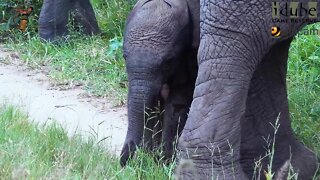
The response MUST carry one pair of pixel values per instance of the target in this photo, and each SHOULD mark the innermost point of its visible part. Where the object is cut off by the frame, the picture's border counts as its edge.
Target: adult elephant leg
(267, 101)
(211, 137)
(53, 18)
(234, 39)
(85, 17)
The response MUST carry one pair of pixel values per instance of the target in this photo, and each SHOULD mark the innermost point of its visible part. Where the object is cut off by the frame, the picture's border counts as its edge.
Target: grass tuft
(89, 61)
(46, 152)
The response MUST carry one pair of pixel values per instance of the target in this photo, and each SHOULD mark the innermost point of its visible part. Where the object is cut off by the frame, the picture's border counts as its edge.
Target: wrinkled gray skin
(54, 16)
(160, 53)
(241, 89)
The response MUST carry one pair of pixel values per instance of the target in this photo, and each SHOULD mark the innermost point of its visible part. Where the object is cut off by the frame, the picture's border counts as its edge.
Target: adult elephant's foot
(208, 162)
(304, 162)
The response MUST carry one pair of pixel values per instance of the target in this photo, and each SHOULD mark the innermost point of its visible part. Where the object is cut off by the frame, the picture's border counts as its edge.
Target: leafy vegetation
(9, 18)
(304, 87)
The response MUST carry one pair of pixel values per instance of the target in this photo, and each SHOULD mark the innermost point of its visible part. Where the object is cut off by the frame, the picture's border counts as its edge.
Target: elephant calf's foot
(127, 152)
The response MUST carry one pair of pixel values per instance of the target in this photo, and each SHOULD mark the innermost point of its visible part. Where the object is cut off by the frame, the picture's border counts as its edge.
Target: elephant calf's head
(158, 33)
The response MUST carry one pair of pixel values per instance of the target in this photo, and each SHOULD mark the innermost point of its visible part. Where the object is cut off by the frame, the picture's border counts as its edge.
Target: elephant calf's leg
(174, 121)
(177, 104)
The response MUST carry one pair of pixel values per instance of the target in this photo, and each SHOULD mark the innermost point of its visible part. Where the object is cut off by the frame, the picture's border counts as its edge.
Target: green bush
(10, 18)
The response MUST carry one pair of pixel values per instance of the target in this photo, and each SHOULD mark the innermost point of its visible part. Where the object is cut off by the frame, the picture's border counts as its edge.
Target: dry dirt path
(34, 94)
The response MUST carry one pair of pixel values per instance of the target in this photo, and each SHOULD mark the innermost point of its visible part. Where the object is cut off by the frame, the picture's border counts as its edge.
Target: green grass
(111, 15)
(46, 152)
(95, 63)
(304, 88)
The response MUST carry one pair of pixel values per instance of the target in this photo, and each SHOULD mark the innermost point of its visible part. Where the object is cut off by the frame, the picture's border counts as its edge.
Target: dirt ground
(34, 93)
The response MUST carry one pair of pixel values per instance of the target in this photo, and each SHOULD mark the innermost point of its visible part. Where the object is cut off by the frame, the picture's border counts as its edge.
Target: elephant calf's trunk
(141, 99)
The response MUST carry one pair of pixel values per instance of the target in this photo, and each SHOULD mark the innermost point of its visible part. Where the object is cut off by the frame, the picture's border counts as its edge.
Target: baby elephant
(160, 50)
